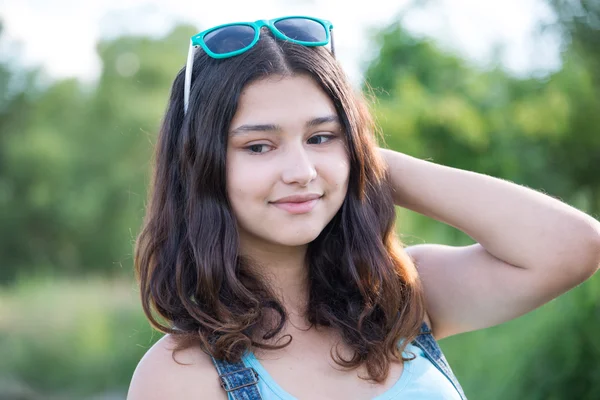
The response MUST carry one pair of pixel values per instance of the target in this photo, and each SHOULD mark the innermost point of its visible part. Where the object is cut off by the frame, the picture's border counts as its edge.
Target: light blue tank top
(420, 380)
(427, 377)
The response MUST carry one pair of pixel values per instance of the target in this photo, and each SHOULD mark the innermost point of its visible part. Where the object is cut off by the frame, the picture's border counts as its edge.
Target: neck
(286, 272)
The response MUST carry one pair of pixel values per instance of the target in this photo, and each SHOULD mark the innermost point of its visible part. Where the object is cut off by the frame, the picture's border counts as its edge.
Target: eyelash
(248, 148)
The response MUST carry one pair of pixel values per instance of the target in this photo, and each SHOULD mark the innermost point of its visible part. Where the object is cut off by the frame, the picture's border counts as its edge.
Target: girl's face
(287, 163)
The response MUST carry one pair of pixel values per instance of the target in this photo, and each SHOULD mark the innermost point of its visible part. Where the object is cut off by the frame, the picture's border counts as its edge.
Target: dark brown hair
(196, 286)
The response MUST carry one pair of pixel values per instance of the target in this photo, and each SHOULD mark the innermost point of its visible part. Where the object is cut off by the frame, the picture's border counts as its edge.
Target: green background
(74, 169)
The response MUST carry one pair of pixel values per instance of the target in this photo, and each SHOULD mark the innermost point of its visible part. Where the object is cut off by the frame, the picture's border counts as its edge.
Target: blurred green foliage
(75, 161)
(70, 338)
(74, 169)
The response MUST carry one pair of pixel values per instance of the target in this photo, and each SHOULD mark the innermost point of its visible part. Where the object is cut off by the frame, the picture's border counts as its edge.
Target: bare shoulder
(186, 375)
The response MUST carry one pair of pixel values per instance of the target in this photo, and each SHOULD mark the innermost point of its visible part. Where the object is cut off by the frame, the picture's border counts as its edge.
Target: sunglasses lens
(302, 29)
(229, 38)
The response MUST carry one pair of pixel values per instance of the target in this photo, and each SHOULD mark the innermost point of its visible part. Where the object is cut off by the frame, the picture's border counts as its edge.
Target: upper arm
(159, 376)
(466, 288)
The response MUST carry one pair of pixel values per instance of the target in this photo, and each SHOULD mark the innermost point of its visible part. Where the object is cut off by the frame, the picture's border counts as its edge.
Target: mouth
(297, 207)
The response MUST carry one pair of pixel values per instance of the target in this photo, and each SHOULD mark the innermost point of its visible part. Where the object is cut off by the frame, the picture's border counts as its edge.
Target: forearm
(515, 224)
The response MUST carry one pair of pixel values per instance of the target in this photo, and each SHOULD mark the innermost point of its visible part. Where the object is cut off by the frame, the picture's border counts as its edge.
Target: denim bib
(241, 381)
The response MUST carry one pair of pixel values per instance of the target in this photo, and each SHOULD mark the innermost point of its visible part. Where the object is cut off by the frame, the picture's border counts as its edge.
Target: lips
(298, 198)
(298, 204)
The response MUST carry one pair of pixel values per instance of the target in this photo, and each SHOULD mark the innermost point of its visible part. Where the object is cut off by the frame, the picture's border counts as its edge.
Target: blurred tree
(16, 95)
(537, 132)
(578, 22)
(75, 162)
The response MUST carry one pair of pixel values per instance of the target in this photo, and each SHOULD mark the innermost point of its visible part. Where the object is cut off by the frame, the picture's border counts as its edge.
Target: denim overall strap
(239, 381)
(426, 342)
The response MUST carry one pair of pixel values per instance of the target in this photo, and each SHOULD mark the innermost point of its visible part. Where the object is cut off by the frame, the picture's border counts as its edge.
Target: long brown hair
(193, 282)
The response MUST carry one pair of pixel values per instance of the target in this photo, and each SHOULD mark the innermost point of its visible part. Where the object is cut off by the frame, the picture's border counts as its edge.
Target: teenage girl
(268, 255)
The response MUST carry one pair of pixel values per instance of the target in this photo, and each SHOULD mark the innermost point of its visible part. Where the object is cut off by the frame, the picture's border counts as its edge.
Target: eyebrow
(277, 128)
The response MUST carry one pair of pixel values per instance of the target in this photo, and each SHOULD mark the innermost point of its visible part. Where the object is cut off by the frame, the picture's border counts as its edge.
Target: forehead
(282, 100)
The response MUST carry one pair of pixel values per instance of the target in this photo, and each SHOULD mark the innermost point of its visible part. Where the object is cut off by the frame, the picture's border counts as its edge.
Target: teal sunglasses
(229, 40)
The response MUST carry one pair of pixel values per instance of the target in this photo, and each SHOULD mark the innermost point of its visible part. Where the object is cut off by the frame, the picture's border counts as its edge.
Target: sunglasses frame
(197, 41)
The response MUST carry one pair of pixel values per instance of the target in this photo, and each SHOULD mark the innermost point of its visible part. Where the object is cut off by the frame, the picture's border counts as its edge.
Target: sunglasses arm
(188, 76)
(331, 42)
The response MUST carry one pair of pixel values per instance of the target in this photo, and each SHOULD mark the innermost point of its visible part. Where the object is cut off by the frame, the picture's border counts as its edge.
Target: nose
(298, 167)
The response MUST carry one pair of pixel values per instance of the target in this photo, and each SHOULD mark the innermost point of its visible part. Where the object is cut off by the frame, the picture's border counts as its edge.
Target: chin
(293, 237)
(296, 241)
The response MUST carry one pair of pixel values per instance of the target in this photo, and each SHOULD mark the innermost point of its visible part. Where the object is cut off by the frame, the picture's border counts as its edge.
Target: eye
(320, 139)
(257, 148)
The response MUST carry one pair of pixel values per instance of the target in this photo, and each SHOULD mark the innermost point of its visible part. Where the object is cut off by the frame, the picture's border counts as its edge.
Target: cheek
(245, 181)
(339, 171)
(237, 180)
